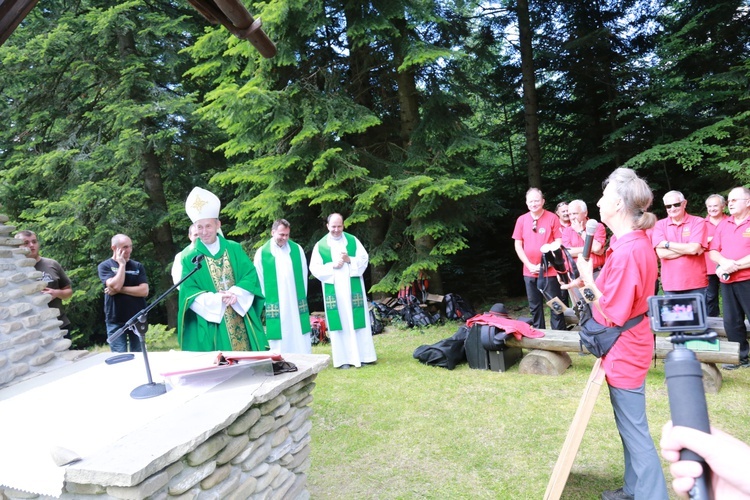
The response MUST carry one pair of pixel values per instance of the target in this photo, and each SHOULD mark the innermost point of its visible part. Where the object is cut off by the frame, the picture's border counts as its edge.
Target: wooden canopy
(230, 13)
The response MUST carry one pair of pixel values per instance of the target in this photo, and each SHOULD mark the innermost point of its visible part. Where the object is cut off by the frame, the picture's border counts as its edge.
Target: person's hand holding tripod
(726, 455)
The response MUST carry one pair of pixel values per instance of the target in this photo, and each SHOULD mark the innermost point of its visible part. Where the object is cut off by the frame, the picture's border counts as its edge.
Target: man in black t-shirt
(125, 291)
(58, 283)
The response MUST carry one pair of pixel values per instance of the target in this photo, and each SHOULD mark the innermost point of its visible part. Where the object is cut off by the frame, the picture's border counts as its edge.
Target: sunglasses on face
(673, 205)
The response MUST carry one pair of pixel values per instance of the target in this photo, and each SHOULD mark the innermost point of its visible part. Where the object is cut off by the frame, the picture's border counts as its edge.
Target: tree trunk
(530, 102)
(160, 234)
(408, 98)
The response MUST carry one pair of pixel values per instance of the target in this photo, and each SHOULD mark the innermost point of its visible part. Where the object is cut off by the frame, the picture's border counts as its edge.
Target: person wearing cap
(339, 260)
(221, 303)
(282, 269)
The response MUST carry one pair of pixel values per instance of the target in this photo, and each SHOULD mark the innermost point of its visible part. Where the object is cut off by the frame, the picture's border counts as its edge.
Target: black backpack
(376, 321)
(446, 353)
(457, 308)
(413, 315)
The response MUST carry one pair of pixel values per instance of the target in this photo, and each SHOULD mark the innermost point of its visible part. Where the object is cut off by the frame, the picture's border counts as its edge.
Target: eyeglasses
(533, 226)
(733, 200)
(673, 205)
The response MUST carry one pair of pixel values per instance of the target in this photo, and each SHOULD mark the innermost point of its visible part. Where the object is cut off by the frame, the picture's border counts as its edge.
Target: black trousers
(537, 302)
(736, 308)
(712, 296)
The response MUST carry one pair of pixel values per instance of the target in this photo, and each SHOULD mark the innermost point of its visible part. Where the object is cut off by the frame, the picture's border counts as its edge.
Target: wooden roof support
(12, 12)
(233, 15)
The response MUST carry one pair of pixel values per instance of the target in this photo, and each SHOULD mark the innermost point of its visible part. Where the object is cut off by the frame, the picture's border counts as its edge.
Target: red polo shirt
(572, 239)
(732, 241)
(710, 231)
(688, 271)
(547, 231)
(626, 281)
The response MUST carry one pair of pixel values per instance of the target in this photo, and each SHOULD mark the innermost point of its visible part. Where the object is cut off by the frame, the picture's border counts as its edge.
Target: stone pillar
(30, 335)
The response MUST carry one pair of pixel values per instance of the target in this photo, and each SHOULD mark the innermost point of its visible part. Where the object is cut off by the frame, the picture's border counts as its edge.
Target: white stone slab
(86, 407)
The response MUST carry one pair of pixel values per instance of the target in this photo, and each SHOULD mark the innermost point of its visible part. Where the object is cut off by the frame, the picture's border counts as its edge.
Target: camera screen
(677, 313)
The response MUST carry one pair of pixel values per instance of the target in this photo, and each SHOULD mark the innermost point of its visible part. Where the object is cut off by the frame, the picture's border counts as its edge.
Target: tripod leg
(573, 440)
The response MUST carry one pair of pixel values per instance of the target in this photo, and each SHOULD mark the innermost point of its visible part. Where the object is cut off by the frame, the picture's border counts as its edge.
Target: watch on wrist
(666, 245)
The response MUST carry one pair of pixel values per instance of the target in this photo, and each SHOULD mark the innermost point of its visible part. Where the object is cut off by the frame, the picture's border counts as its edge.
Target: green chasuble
(271, 286)
(230, 267)
(329, 290)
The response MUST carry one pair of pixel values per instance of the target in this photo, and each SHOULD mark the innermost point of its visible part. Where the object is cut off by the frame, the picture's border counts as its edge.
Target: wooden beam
(568, 340)
(12, 12)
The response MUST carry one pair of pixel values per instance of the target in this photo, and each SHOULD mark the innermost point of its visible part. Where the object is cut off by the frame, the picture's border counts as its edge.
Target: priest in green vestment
(221, 303)
(282, 270)
(339, 260)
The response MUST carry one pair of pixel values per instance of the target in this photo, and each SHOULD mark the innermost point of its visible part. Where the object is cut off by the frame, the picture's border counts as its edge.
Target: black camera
(677, 313)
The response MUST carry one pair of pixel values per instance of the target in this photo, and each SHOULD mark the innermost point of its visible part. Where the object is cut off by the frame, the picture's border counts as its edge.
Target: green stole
(273, 311)
(329, 290)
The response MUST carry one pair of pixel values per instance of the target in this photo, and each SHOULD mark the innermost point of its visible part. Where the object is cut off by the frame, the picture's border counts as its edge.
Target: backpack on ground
(376, 320)
(457, 308)
(446, 353)
(413, 315)
(319, 332)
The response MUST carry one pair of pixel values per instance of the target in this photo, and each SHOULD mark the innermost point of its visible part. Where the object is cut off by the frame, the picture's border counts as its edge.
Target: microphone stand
(138, 323)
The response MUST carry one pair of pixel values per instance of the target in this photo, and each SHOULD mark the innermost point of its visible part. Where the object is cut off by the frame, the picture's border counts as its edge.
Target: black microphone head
(198, 258)
(591, 226)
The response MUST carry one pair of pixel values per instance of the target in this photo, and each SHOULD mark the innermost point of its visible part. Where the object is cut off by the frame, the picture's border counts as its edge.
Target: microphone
(198, 258)
(591, 226)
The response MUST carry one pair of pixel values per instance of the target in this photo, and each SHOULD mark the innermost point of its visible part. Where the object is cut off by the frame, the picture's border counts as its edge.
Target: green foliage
(161, 338)
(99, 134)
(308, 141)
(405, 116)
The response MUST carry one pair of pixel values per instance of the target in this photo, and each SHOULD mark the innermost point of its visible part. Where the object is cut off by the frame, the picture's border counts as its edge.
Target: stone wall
(263, 454)
(30, 335)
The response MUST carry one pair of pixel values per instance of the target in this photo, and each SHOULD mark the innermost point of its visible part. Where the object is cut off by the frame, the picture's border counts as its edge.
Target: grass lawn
(400, 429)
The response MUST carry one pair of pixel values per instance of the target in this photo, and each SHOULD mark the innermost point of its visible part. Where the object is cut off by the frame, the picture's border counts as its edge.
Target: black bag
(476, 354)
(597, 338)
(376, 322)
(457, 308)
(493, 338)
(446, 353)
(413, 315)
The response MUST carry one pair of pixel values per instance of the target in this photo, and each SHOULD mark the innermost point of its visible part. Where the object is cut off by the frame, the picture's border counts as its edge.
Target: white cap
(202, 204)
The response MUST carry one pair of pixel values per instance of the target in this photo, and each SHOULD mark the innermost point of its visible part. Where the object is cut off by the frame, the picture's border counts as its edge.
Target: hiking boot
(618, 494)
(744, 363)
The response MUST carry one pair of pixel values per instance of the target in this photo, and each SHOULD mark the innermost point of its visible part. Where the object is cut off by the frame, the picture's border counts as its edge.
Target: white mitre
(202, 204)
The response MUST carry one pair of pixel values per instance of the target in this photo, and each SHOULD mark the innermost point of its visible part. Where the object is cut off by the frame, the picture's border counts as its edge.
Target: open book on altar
(215, 367)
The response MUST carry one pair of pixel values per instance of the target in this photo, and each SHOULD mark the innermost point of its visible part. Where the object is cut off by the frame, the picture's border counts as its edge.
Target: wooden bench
(549, 355)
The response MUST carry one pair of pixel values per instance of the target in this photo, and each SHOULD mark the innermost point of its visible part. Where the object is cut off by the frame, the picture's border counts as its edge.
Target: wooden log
(717, 324)
(712, 378)
(568, 341)
(712, 322)
(538, 362)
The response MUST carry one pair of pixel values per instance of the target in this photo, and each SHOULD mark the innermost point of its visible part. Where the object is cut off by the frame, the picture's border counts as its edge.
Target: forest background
(423, 122)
